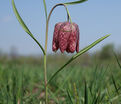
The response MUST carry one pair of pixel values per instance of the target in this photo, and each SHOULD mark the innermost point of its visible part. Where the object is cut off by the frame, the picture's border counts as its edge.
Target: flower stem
(45, 78)
(45, 64)
(46, 39)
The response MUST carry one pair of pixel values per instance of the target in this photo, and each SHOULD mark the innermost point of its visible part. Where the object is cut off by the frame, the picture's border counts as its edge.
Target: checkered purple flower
(66, 37)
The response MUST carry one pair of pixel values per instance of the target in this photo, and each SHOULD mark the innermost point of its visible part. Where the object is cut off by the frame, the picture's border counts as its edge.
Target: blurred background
(95, 19)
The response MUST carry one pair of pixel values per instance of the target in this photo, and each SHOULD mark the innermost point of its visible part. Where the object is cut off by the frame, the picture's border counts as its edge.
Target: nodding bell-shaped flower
(66, 37)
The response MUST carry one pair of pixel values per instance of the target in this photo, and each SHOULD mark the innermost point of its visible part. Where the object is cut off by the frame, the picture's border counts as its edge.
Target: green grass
(96, 83)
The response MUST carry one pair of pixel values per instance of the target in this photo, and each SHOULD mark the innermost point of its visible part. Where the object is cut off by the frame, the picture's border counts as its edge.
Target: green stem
(47, 24)
(45, 7)
(46, 40)
(45, 78)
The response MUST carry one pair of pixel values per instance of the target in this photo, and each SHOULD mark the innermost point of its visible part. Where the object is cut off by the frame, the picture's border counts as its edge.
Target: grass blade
(75, 2)
(96, 99)
(45, 7)
(86, 94)
(117, 60)
(69, 96)
(76, 94)
(77, 55)
(114, 83)
(24, 25)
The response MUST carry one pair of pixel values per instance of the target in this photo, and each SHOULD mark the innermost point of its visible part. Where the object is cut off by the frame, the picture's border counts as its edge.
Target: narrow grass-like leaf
(117, 60)
(96, 99)
(54, 96)
(22, 88)
(85, 94)
(45, 7)
(14, 88)
(90, 46)
(76, 94)
(93, 81)
(69, 96)
(24, 25)
(75, 2)
(8, 91)
(119, 88)
(77, 55)
(114, 83)
(65, 80)
(102, 97)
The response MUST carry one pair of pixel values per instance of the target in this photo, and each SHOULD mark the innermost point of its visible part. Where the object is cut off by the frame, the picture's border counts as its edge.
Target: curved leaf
(45, 7)
(24, 25)
(90, 46)
(77, 55)
(75, 2)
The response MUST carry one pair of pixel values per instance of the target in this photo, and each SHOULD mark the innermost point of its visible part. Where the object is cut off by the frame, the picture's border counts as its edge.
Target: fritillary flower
(66, 37)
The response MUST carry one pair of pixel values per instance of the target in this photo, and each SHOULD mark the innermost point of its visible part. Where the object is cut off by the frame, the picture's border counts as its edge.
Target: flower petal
(77, 46)
(64, 34)
(55, 44)
(72, 39)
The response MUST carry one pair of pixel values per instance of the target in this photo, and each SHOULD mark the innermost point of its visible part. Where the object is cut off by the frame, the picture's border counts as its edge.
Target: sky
(95, 18)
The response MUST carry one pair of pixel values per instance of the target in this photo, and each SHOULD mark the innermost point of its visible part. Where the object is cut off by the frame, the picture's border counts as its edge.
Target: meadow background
(93, 78)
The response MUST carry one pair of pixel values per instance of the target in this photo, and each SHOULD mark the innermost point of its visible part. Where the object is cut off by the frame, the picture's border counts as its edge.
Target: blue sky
(95, 18)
